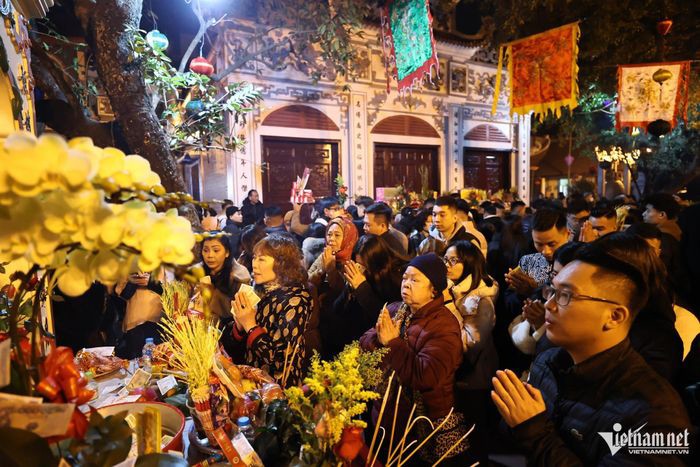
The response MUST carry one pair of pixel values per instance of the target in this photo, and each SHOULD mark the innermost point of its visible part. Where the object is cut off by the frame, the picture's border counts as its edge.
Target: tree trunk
(105, 24)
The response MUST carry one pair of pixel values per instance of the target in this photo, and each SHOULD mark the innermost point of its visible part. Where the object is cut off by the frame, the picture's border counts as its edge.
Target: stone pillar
(242, 171)
(454, 178)
(523, 162)
(358, 150)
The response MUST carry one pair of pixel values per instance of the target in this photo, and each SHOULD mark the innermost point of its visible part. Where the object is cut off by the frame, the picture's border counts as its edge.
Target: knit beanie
(432, 266)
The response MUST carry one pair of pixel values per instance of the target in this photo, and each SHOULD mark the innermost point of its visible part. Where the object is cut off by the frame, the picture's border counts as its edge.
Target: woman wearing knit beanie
(425, 350)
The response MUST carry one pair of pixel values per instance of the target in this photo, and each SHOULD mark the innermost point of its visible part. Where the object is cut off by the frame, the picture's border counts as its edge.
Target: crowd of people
(543, 325)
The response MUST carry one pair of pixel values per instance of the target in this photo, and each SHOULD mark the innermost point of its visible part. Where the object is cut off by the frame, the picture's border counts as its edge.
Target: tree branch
(204, 25)
(243, 60)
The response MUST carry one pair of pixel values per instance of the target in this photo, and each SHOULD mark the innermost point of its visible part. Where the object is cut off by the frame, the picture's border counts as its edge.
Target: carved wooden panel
(405, 125)
(488, 170)
(284, 159)
(300, 116)
(410, 166)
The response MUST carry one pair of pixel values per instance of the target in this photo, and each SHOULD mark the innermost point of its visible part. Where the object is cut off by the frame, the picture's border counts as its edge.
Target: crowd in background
(590, 305)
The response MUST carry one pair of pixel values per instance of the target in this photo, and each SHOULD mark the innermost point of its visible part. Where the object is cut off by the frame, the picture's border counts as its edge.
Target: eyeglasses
(563, 297)
(450, 262)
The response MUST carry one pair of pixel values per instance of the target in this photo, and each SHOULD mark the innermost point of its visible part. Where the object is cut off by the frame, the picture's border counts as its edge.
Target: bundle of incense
(148, 431)
(202, 406)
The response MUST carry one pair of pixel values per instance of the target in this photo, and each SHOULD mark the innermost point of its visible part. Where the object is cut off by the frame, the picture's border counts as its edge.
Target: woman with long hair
(471, 298)
(275, 327)
(372, 279)
(225, 273)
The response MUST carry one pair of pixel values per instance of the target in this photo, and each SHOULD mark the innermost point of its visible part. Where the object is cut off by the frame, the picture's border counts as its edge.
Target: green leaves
(107, 441)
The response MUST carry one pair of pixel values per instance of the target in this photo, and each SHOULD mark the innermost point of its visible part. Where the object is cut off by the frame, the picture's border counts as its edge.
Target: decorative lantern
(194, 106)
(661, 75)
(202, 66)
(157, 40)
(664, 26)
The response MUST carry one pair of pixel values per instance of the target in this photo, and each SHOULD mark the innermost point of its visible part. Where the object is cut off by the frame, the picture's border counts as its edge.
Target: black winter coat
(252, 213)
(614, 386)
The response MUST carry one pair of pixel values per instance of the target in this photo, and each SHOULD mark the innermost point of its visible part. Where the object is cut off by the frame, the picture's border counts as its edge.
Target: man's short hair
(567, 252)
(447, 201)
(250, 192)
(603, 210)
(644, 230)
(546, 218)
(626, 263)
(463, 206)
(226, 203)
(577, 204)
(326, 203)
(231, 210)
(365, 201)
(273, 211)
(382, 210)
(516, 204)
(664, 202)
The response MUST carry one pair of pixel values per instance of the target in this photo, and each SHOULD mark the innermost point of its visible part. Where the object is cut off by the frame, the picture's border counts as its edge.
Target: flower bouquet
(72, 213)
(327, 408)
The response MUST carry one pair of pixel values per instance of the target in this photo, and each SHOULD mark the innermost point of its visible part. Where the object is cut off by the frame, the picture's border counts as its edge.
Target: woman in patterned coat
(275, 327)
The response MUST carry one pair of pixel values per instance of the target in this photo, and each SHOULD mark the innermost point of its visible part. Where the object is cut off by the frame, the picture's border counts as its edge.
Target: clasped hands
(387, 329)
(243, 312)
(516, 401)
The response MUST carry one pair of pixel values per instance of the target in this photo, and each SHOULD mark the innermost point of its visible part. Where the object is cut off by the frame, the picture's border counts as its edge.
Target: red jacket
(425, 361)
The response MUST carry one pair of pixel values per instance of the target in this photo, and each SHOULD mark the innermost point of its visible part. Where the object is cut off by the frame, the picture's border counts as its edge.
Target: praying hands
(516, 401)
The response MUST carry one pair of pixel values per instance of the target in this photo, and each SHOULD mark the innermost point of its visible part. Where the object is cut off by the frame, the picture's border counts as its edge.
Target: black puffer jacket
(614, 386)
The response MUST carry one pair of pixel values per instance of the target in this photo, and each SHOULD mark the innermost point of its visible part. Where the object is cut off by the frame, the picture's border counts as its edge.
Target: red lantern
(664, 26)
(202, 66)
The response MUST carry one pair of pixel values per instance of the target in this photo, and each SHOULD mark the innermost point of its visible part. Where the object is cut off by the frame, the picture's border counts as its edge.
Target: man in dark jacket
(594, 401)
(253, 210)
(446, 228)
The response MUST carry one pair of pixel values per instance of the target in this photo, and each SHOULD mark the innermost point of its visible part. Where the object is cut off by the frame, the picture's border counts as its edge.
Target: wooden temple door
(487, 170)
(410, 166)
(285, 158)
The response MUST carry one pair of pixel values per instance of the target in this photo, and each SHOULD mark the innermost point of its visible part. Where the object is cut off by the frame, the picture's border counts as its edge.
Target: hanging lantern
(569, 160)
(194, 106)
(659, 127)
(664, 26)
(661, 75)
(202, 66)
(157, 40)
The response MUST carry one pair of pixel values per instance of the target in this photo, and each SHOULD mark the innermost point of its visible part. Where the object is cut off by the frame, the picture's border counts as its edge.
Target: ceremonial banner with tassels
(542, 71)
(408, 43)
(652, 91)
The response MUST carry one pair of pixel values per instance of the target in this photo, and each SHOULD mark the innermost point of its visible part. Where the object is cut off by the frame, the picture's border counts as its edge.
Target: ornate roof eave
(33, 8)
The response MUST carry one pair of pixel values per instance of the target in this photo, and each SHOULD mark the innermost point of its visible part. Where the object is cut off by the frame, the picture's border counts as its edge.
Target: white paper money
(43, 419)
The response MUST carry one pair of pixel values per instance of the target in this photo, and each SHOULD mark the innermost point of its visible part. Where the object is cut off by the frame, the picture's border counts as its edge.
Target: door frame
(438, 161)
(335, 156)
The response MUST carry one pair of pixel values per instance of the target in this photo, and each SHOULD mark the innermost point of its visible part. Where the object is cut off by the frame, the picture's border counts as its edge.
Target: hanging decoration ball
(661, 75)
(157, 40)
(194, 106)
(664, 26)
(659, 127)
(202, 66)
(569, 160)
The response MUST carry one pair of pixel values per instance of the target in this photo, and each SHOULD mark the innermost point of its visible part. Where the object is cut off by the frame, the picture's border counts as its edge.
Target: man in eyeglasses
(594, 385)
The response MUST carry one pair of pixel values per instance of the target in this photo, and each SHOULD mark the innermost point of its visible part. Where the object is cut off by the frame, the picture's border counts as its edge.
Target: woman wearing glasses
(470, 298)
